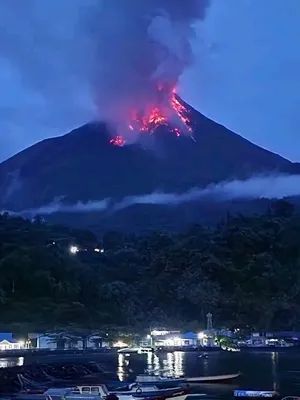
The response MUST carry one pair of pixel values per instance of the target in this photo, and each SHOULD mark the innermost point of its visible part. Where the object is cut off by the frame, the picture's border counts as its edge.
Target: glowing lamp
(74, 249)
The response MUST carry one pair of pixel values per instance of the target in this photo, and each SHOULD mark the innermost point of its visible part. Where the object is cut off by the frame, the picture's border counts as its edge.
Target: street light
(74, 249)
(99, 250)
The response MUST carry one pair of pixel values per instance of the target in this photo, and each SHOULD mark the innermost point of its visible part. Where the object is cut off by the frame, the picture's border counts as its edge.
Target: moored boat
(96, 392)
(56, 394)
(143, 392)
(159, 381)
(213, 379)
(149, 391)
(77, 393)
(135, 350)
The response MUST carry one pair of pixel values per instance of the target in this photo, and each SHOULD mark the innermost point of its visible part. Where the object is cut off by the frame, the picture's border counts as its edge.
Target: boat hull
(171, 392)
(163, 383)
(213, 379)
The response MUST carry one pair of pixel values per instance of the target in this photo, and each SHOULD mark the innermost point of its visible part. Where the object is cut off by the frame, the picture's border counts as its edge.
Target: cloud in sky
(248, 73)
(44, 63)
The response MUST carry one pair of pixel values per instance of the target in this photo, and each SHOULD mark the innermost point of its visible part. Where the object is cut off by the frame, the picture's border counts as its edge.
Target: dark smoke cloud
(269, 187)
(64, 62)
(139, 43)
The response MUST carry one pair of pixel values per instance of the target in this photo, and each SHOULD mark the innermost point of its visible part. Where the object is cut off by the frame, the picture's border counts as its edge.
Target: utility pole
(209, 322)
(210, 332)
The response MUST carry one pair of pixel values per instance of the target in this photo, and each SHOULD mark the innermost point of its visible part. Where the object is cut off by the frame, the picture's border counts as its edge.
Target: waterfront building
(164, 338)
(7, 342)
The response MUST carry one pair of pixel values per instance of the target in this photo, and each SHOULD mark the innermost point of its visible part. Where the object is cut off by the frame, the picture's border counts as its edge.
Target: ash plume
(257, 187)
(65, 63)
(139, 44)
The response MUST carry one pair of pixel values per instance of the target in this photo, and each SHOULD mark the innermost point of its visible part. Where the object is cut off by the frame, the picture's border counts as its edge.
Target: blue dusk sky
(245, 75)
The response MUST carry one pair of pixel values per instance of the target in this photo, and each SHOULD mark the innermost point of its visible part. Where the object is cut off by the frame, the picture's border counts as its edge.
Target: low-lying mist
(257, 187)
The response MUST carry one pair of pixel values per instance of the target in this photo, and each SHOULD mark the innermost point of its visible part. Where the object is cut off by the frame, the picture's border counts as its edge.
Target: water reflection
(11, 362)
(178, 363)
(274, 358)
(153, 364)
(170, 364)
(173, 364)
(260, 370)
(122, 366)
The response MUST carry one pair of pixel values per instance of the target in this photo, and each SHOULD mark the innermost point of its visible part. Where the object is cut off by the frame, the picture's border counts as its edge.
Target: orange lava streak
(157, 115)
(117, 141)
(150, 120)
(180, 111)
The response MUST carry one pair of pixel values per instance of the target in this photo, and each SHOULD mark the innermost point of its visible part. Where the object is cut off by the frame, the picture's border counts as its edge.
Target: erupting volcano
(167, 110)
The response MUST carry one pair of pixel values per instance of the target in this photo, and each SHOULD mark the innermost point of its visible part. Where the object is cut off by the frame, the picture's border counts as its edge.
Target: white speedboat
(135, 350)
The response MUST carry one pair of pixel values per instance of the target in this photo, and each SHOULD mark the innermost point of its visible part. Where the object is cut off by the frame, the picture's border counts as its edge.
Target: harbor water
(263, 370)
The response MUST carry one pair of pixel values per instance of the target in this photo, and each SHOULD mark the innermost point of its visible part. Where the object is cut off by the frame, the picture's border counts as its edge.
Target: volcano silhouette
(83, 165)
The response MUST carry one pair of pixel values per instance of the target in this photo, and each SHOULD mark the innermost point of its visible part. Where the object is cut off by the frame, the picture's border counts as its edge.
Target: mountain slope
(83, 165)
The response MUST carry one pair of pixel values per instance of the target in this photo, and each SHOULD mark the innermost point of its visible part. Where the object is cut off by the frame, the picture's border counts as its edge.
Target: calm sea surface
(260, 370)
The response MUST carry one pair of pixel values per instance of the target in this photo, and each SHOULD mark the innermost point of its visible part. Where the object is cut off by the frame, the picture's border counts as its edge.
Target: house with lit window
(7, 342)
(164, 338)
(175, 339)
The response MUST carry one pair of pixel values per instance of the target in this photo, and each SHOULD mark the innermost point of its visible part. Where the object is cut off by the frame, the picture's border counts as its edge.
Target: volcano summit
(85, 165)
(166, 110)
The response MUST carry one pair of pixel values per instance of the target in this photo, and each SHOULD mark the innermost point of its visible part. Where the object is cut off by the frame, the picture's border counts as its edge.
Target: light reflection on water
(274, 358)
(171, 364)
(260, 370)
(153, 364)
(122, 365)
(11, 362)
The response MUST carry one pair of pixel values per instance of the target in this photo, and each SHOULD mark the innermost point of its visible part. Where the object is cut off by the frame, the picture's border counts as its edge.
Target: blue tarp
(190, 336)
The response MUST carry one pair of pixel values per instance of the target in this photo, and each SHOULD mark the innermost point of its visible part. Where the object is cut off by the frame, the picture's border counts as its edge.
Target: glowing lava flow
(117, 141)
(171, 113)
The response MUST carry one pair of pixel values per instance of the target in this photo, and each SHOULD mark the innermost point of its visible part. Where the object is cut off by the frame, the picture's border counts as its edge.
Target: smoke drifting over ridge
(257, 187)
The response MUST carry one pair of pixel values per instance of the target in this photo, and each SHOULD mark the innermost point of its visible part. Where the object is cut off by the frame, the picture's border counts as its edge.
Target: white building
(7, 342)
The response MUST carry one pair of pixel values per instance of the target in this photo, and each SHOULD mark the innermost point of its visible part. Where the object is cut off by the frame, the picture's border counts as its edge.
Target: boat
(145, 392)
(135, 350)
(77, 393)
(57, 394)
(101, 391)
(149, 391)
(159, 381)
(213, 379)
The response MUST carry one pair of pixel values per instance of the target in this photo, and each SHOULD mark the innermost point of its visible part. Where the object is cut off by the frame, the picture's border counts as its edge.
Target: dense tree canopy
(245, 271)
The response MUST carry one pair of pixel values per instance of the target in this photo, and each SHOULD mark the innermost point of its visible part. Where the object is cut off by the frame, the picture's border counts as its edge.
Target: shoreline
(35, 356)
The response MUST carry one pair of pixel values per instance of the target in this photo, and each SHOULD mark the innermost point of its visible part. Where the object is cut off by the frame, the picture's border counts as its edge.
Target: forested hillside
(245, 271)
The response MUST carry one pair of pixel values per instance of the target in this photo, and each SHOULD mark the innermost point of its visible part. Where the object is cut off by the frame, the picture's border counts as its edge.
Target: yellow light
(120, 344)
